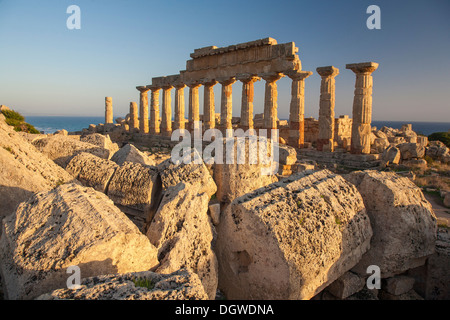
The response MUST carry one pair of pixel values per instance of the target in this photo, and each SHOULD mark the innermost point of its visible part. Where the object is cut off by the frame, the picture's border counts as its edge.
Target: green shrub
(13, 115)
(144, 283)
(440, 136)
(16, 120)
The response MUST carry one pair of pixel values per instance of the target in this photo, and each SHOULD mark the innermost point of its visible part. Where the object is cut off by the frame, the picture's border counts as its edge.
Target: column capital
(142, 89)
(208, 82)
(247, 77)
(225, 81)
(179, 85)
(193, 84)
(328, 71)
(298, 75)
(271, 76)
(363, 67)
(153, 88)
(167, 87)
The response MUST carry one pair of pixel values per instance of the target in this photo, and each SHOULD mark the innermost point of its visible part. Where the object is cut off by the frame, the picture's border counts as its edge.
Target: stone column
(270, 100)
(325, 140)
(297, 109)
(166, 117)
(108, 110)
(134, 117)
(154, 110)
(247, 100)
(194, 105)
(143, 109)
(362, 106)
(209, 108)
(179, 106)
(226, 103)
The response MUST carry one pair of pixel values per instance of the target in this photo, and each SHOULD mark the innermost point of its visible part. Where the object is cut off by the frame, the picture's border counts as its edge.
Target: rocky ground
(142, 227)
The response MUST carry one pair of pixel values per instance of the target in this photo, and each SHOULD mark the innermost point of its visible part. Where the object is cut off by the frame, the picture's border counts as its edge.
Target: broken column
(134, 118)
(154, 110)
(297, 109)
(362, 106)
(108, 110)
(166, 118)
(179, 106)
(226, 103)
(143, 109)
(270, 100)
(247, 100)
(325, 141)
(209, 112)
(194, 106)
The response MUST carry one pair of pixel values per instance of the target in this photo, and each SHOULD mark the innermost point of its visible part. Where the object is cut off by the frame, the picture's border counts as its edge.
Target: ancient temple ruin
(250, 62)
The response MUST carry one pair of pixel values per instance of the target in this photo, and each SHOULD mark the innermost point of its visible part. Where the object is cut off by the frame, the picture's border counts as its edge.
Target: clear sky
(47, 69)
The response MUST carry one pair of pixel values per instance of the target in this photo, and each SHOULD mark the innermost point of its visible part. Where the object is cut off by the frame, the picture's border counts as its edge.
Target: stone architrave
(108, 110)
(166, 117)
(143, 109)
(325, 141)
(226, 103)
(270, 99)
(194, 105)
(154, 110)
(247, 99)
(362, 106)
(209, 113)
(297, 108)
(134, 117)
(179, 106)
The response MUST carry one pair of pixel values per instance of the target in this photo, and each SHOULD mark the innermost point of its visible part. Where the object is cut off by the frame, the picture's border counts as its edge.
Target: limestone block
(398, 285)
(91, 170)
(379, 145)
(214, 213)
(62, 132)
(447, 200)
(411, 150)
(291, 239)
(391, 155)
(61, 148)
(179, 285)
(24, 170)
(102, 141)
(70, 225)
(416, 163)
(346, 285)
(132, 154)
(287, 155)
(403, 222)
(410, 295)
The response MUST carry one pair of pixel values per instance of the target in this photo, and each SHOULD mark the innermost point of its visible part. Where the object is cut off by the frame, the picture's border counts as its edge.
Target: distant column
(108, 110)
(325, 141)
(297, 109)
(247, 100)
(209, 109)
(134, 117)
(166, 118)
(179, 106)
(362, 106)
(154, 110)
(143, 109)
(270, 100)
(194, 106)
(226, 103)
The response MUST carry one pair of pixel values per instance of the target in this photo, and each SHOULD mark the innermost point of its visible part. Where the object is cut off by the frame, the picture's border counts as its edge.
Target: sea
(51, 124)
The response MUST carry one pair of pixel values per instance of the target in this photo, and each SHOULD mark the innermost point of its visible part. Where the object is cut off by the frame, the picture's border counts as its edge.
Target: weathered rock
(403, 222)
(62, 148)
(181, 228)
(102, 141)
(62, 132)
(411, 150)
(291, 239)
(391, 155)
(179, 285)
(23, 170)
(132, 154)
(70, 225)
(287, 155)
(379, 145)
(214, 213)
(92, 171)
(398, 285)
(447, 200)
(410, 295)
(416, 163)
(346, 285)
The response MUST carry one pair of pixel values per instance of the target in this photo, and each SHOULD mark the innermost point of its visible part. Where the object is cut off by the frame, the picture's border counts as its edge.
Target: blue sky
(47, 69)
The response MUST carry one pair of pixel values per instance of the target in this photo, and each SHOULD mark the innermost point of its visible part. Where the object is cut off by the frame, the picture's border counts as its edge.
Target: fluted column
(226, 103)
(154, 110)
(297, 109)
(166, 117)
(325, 141)
(194, 106)
(108, 110)
(270, 100)
(209, 109)
(134, 117)
(179, 106)
(362, 106)
(247, 99)
(143, 109)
